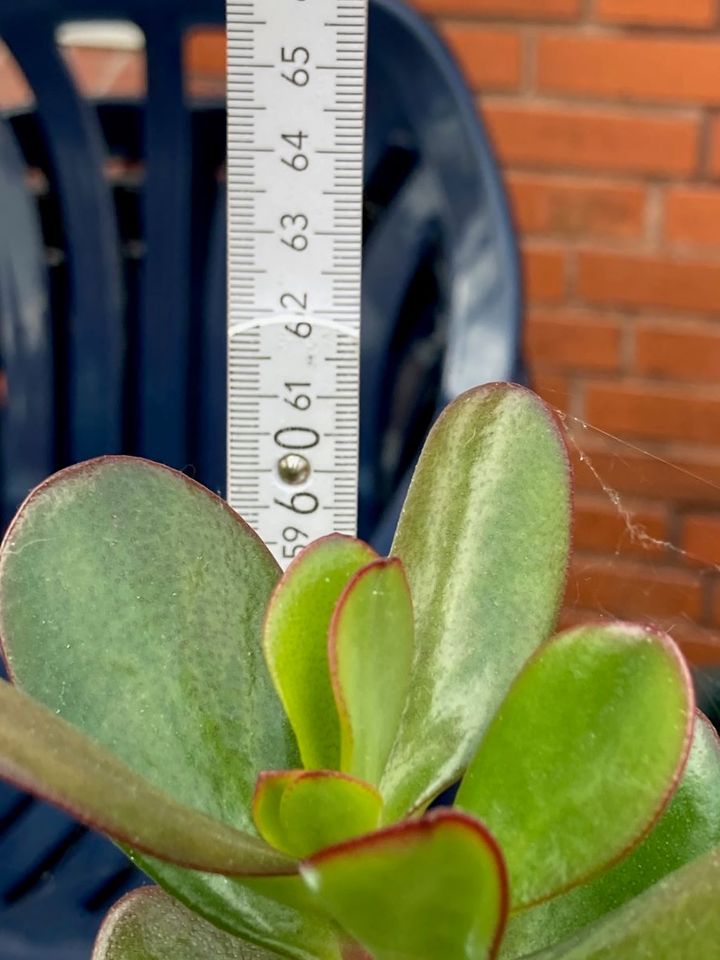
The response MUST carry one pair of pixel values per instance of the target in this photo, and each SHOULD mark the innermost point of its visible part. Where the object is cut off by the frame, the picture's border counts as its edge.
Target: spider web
(651, 554)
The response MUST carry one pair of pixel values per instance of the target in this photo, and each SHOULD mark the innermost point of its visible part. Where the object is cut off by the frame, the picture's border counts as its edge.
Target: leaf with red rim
(302, 811)
(689, 828)
(269, 791)
(43, 754)
(677, 919)
(370, 652)
(420, 890)
(295, 640)
(131, 604)
(583, 755)
(148, 925)
(484, 538)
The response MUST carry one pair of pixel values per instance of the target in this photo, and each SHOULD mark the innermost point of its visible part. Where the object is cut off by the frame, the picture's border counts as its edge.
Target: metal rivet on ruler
(293, 469)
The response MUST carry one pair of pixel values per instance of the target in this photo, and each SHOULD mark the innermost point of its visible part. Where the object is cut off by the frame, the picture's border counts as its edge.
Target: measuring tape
(296, 104)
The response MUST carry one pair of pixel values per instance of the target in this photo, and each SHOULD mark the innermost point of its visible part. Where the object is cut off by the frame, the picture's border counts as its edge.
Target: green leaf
(302, 811)
(269, 792)
(370, 652)
(689, 828)
(148, 925)
(43, 754)
(582, 756)
(131, 603)
(296, 642)
(484, 538)
(677, 919)
(420, 890)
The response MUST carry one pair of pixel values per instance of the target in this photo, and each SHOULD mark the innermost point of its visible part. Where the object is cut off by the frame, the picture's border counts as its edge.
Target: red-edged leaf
(427, 889)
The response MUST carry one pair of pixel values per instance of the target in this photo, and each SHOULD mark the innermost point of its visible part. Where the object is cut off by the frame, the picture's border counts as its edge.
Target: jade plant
(268, 747)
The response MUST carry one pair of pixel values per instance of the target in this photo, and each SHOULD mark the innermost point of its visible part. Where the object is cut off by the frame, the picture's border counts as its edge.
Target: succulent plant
(267, 747)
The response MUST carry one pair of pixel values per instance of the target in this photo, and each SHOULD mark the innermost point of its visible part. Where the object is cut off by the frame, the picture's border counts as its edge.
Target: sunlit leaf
(43, 754)
(689, 828)
(677, 919)
(484, 539)
(296, 642)
(148, 925)
(428, 889)
(131, 604)
(303, 811)
(582, 756)
(370, 651)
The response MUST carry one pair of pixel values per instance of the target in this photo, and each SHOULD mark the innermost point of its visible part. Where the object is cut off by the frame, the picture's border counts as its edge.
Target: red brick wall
(606, 118)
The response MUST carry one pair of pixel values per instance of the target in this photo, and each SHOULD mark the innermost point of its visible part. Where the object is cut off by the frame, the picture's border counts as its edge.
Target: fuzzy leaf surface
(677, 919)
(303, 811)
(484, 538)
(689, 828)
(131, 604)
(582, 756)
(370, 651)
(149, 925)
(43, 754)
(420, 890)
(295, 640)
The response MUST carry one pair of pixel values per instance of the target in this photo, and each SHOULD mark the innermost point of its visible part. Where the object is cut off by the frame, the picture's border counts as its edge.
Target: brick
(701, 647)
(578, 616)
(14, 89)
(101, 72)
(659, 13)
(544, 274)
(206, 51)
(600, 527)
(714, 148)
(682, 351)
(690, 477)
(646, 68)
(554, 390)
(524, 9)
(701, 538)
(652, 411)
(490, 59)
(577, 208)
(598, 140)
(692, 215)
(573, 340)
(642, 281)
(624, 588)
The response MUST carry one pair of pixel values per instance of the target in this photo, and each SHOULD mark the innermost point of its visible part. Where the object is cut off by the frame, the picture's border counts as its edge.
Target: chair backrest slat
(94, 337)
(28, 434)
(164, 364)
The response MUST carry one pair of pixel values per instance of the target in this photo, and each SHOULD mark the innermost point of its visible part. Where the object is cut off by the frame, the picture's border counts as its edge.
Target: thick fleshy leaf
(583, 755)
(689, 828)
(484, 538)
(370, 651)
(131, 603)
(148, 925)
(296, 642)
(420, 890)
(302, 811)
(677, 919)
(43, 754)
(269, 792)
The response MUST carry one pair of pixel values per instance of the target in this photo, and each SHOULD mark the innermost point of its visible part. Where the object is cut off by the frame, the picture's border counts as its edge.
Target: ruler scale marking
(295, 152)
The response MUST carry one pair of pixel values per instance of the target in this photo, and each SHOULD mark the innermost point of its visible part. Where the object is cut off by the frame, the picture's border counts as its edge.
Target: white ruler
(296, 95)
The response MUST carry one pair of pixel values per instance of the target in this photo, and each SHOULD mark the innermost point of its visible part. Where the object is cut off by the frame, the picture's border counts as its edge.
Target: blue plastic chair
(112, 318)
